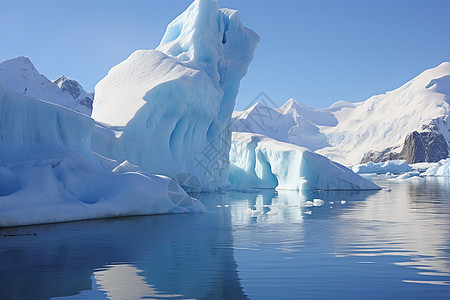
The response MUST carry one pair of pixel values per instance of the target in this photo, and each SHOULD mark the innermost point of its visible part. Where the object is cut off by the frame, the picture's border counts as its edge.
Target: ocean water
(389, 244)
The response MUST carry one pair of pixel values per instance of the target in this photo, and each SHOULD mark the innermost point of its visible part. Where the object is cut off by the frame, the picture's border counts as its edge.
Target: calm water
(375, 245)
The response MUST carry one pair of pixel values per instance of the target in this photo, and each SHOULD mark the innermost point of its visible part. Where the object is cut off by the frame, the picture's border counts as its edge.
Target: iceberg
(258, 161)
(441, 169)
(391, 166)
(48, 173)
(168, 110)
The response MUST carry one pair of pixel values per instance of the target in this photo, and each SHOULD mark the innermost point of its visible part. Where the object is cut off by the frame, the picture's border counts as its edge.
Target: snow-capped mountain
(19, 75)
(73, 88)
(407, 123)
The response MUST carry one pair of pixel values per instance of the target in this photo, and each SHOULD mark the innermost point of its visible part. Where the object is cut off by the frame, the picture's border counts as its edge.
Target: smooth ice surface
(48, 174)
(261, 162)
(345, 131)
(392, 166)
(167, 110)
(20, 76)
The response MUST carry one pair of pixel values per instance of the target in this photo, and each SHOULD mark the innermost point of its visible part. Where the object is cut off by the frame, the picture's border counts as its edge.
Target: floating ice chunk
(408, 175)
(388, 167)
(308, 204)
(318, 202)
(308, 212)
(343, 202)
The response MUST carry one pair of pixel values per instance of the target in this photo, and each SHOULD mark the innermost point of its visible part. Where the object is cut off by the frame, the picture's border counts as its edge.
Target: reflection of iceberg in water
(186, 255)
(411, 221)
(120, 282)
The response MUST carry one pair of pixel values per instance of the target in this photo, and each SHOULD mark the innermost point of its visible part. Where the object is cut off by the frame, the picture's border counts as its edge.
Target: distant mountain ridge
(407, 123)
(19, 75)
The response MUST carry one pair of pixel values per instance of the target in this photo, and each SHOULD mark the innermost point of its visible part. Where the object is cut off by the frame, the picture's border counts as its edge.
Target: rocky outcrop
(424, 146)
(75, 90)
(380, 156)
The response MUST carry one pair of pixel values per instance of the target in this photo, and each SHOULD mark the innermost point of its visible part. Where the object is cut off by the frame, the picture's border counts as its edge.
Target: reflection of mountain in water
(186, 255)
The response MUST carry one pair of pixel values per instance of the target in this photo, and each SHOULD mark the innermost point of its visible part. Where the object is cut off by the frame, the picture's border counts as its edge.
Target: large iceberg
(261, 162)
(168, 110)
(48, 174)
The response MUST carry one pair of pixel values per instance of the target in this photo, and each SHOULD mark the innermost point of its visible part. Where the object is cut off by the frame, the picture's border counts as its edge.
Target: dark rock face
(386, 154)
(69, 86)
(75, 90)
(426, 146)
(86, 102)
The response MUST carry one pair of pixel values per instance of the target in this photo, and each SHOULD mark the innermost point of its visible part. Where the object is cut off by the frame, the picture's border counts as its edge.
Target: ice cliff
(48, 174)
(167, 110)
(261, 162)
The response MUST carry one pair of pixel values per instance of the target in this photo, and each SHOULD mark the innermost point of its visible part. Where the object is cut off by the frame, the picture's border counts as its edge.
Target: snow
(292, 123)
(258, 161)
(167, 110)
(407, 176)
(72, 87)
(19, 75)
(318, 202)
(345, 131)
(48, 174)
(442, 168)
(384, 121)
(391, 166)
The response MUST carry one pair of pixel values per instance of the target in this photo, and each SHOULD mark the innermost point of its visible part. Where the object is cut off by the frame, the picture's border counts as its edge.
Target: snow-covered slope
(48, 174)
(73, 88)
(261, 162)
(20, 76)
(407, 123)
(292, 123)
(167, 110)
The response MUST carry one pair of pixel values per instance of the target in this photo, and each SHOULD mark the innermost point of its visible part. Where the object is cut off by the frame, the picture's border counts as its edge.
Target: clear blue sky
(316, 51)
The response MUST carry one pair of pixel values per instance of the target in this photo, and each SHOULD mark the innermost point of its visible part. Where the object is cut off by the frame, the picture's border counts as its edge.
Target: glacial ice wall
(167, 110)
(261, 162)
(48, 174)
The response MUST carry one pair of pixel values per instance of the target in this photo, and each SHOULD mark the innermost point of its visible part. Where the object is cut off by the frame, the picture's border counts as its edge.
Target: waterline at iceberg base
(258, 161)
(48, 174)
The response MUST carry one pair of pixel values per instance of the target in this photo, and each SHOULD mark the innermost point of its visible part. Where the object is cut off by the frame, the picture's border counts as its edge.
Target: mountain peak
(19, 75)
